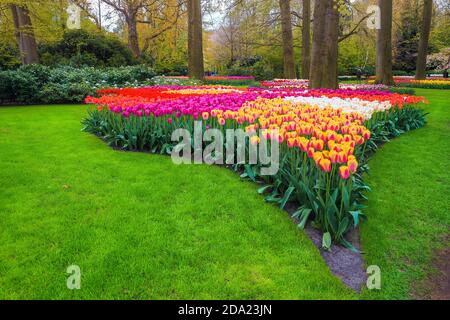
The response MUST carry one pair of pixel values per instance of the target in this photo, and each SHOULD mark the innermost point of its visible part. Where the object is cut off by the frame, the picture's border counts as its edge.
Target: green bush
(261, 69)
(42, 84)
(9, 56)
(80, 48)
(400, 73)
(236, 83)
(6, 90)
(400, 90)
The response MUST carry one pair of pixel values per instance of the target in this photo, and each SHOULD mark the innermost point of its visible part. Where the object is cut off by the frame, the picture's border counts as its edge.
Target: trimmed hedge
(35, 84)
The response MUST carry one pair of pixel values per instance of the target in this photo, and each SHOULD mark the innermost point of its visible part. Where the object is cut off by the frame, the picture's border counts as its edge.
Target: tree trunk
(133, 39)
(423, 43)
(288, 41)
(195, 40)
(306, 39)
(24, 34)
(384, 44)
(324, 63)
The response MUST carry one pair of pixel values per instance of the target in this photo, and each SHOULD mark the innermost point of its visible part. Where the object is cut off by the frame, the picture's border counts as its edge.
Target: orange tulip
(366, 134)
(254, 140)
(303, 144)
(358, 139)
(325, 165)
(331, 135)
(343, 157)
(331, 144)
(334, 156)
(344, 172)
(291, 142)
(352, 165)
(317, 157)
(319, 144)
(347, 138)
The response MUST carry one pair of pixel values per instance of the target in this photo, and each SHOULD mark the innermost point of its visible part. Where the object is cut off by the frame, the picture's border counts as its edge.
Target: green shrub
(6, 90)
(401, 90)
(238, 83)
(400, 73)
(42, 84)
(9, 56)
(24, 86)
(261, 69)
(80, 48)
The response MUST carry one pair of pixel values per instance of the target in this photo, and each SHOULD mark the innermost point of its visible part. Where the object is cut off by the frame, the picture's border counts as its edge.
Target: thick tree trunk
(195, 40)
(133, 39)
(306, 39)
(24, 34)
(332, 40)
(288, 41)
(324, 63)
(424, 37)
(384, 44)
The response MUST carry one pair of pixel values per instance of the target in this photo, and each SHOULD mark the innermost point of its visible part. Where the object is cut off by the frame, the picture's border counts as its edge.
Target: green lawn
(142, 228)
(409, 206)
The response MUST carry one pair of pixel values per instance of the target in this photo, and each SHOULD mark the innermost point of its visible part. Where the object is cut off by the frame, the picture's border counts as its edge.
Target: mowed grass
(409, 206)
(138, 226)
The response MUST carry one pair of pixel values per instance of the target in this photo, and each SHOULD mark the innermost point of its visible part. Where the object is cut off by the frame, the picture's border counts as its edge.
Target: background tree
(424, 39)
(406, 35)
(195, 40)
(306, 39)
(129, 10)
(288, 42)
(135, 12)
(24, 33)
(384, 44)
(324, 55)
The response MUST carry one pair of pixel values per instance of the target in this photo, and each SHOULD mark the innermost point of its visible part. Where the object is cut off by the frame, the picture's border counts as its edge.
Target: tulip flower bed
(426, 84)
(429, 83)
(304, 84)
(325, 137)
(237, 78)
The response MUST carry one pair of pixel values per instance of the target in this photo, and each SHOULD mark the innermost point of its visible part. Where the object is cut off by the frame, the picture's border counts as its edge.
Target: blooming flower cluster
(197, 100)
(326, 135)
(304, 84)
(236, 78)
(285, 83)
(430, 82)
(363, 107)
(363, 86)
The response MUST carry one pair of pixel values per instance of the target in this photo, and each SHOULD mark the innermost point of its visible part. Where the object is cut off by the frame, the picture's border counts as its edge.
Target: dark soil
(343, 263)
(437, 285)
